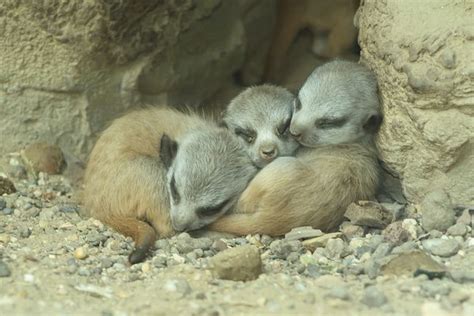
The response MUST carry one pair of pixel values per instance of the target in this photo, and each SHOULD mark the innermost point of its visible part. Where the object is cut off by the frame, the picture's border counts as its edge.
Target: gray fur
(263, 109)
(211, 167)
(338, 90)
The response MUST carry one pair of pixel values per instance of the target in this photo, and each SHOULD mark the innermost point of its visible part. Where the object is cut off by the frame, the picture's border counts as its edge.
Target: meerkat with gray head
(157, 171)
(336, 118)
(260, 116)
(338, 104)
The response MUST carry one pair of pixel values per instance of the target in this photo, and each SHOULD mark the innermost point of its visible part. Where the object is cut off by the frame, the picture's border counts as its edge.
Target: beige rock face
(67, 67)
(423, 56)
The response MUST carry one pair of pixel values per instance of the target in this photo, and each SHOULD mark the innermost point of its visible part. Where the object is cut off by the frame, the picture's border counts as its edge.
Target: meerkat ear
(373, 122)
(168, 150)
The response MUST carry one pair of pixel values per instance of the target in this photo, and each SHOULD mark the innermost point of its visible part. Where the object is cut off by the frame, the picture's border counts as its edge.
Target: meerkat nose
(268, 153)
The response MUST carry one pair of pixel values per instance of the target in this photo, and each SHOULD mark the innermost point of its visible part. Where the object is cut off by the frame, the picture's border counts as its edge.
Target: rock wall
(69, 66)
(423, 55)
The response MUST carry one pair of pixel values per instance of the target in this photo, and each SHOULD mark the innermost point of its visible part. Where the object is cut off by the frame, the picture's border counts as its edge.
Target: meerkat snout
(268, 152)
(260, 116)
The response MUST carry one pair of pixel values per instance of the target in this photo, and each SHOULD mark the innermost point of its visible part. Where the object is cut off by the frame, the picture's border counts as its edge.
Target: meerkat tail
(253, 223)
(141, 232)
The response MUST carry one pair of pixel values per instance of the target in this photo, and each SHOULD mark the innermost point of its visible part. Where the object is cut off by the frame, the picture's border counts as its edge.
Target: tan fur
(312, 189)
(332, 16)
(125, 180)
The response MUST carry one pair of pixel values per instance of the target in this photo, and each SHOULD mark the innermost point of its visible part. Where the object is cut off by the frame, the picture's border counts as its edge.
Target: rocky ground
(385, 259)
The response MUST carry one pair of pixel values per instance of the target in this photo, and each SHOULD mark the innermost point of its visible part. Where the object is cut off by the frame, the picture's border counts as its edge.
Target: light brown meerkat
(337, 115)
(156, 171)
(334, 17)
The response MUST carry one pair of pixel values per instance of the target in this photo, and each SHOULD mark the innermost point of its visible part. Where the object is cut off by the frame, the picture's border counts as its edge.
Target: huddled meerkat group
(276, 162)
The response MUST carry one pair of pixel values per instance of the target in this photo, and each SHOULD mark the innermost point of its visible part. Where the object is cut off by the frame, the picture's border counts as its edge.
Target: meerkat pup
(260, 116)
(336, 116)
(157, 171)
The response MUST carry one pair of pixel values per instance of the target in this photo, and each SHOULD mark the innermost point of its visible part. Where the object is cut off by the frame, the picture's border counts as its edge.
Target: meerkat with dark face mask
(260, 116)
(157, 171)
(336, 116)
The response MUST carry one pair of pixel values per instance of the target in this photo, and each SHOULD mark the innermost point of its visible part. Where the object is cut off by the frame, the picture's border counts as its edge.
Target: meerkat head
(206, 173)
(260, 116)
(337, 104)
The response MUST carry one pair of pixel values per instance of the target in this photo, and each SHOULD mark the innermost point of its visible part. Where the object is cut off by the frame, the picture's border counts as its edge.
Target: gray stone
(219, 245)
(293, 257)
(106, 263)
(7, 211)
(374, 297)
(336, 249)
(282, 248)
(441, 247)
(371, 268)
(462, 275)
(83, 271)
(242, 263)
(437, 211)
(202, 243)
(340, 292)
(406, 247)
(382, 250)
(25, 232)
(458, 229)
(303, 232)
(350, 230)
(4, 270)
(313, 243)
(3, 204)
(178, 286)
(465, 218)
(397, 210)
(435, 233)
(431, 288)
(163, 244)
(368, 213)
(413, 263)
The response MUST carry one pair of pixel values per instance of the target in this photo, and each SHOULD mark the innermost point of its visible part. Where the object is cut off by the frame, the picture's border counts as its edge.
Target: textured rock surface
(422, 55)
(68, 67)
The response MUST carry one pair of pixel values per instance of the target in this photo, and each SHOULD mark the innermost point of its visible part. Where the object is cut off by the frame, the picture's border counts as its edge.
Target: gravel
(55, 260)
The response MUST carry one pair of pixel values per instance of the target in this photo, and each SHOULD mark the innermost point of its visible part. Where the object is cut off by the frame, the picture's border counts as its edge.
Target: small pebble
(80, 253)
(180, 286)
(441, 247)
(340, 292)
(374, 297)
(4, 270)
(7, 211)
(458, 229)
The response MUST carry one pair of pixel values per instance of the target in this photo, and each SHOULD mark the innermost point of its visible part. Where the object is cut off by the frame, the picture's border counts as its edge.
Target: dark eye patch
(297, 104)
(247, 134)
(174, 192)
(211, 210)
(327, 123)
(283, 127)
